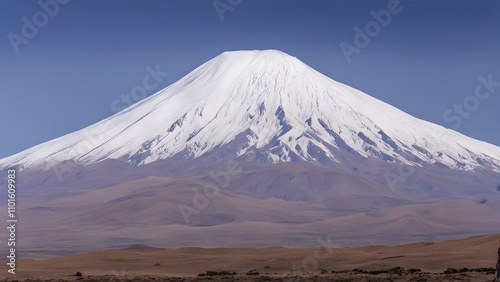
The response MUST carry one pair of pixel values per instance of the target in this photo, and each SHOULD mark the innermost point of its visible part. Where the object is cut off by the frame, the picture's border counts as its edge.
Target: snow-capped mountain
(328, 161)
(266, 101)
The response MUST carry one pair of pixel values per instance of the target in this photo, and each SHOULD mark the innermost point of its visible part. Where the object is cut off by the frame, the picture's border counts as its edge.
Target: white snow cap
(268, 99)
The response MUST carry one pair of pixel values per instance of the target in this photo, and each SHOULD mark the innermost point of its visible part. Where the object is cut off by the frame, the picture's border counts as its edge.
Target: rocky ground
(395, 274)
(471, 259)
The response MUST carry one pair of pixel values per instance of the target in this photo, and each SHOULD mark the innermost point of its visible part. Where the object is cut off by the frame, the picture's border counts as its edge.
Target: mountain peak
(269, 53)
(254, 61)
(261, 57)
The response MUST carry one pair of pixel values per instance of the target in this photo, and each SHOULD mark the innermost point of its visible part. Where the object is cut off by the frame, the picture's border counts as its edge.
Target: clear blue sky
(90, 52)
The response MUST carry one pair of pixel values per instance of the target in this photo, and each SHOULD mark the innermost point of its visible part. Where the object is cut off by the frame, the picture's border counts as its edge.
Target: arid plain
(470, 259)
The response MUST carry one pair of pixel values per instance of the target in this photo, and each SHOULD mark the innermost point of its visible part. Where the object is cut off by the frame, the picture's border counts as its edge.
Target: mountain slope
(263, 100)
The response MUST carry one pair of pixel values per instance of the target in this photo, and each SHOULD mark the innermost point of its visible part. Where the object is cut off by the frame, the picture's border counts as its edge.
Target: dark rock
(450, 271)
(253, 272)
(357, 270)
(414, 270)
(212, 273)
(396, 270)
(218, 273)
